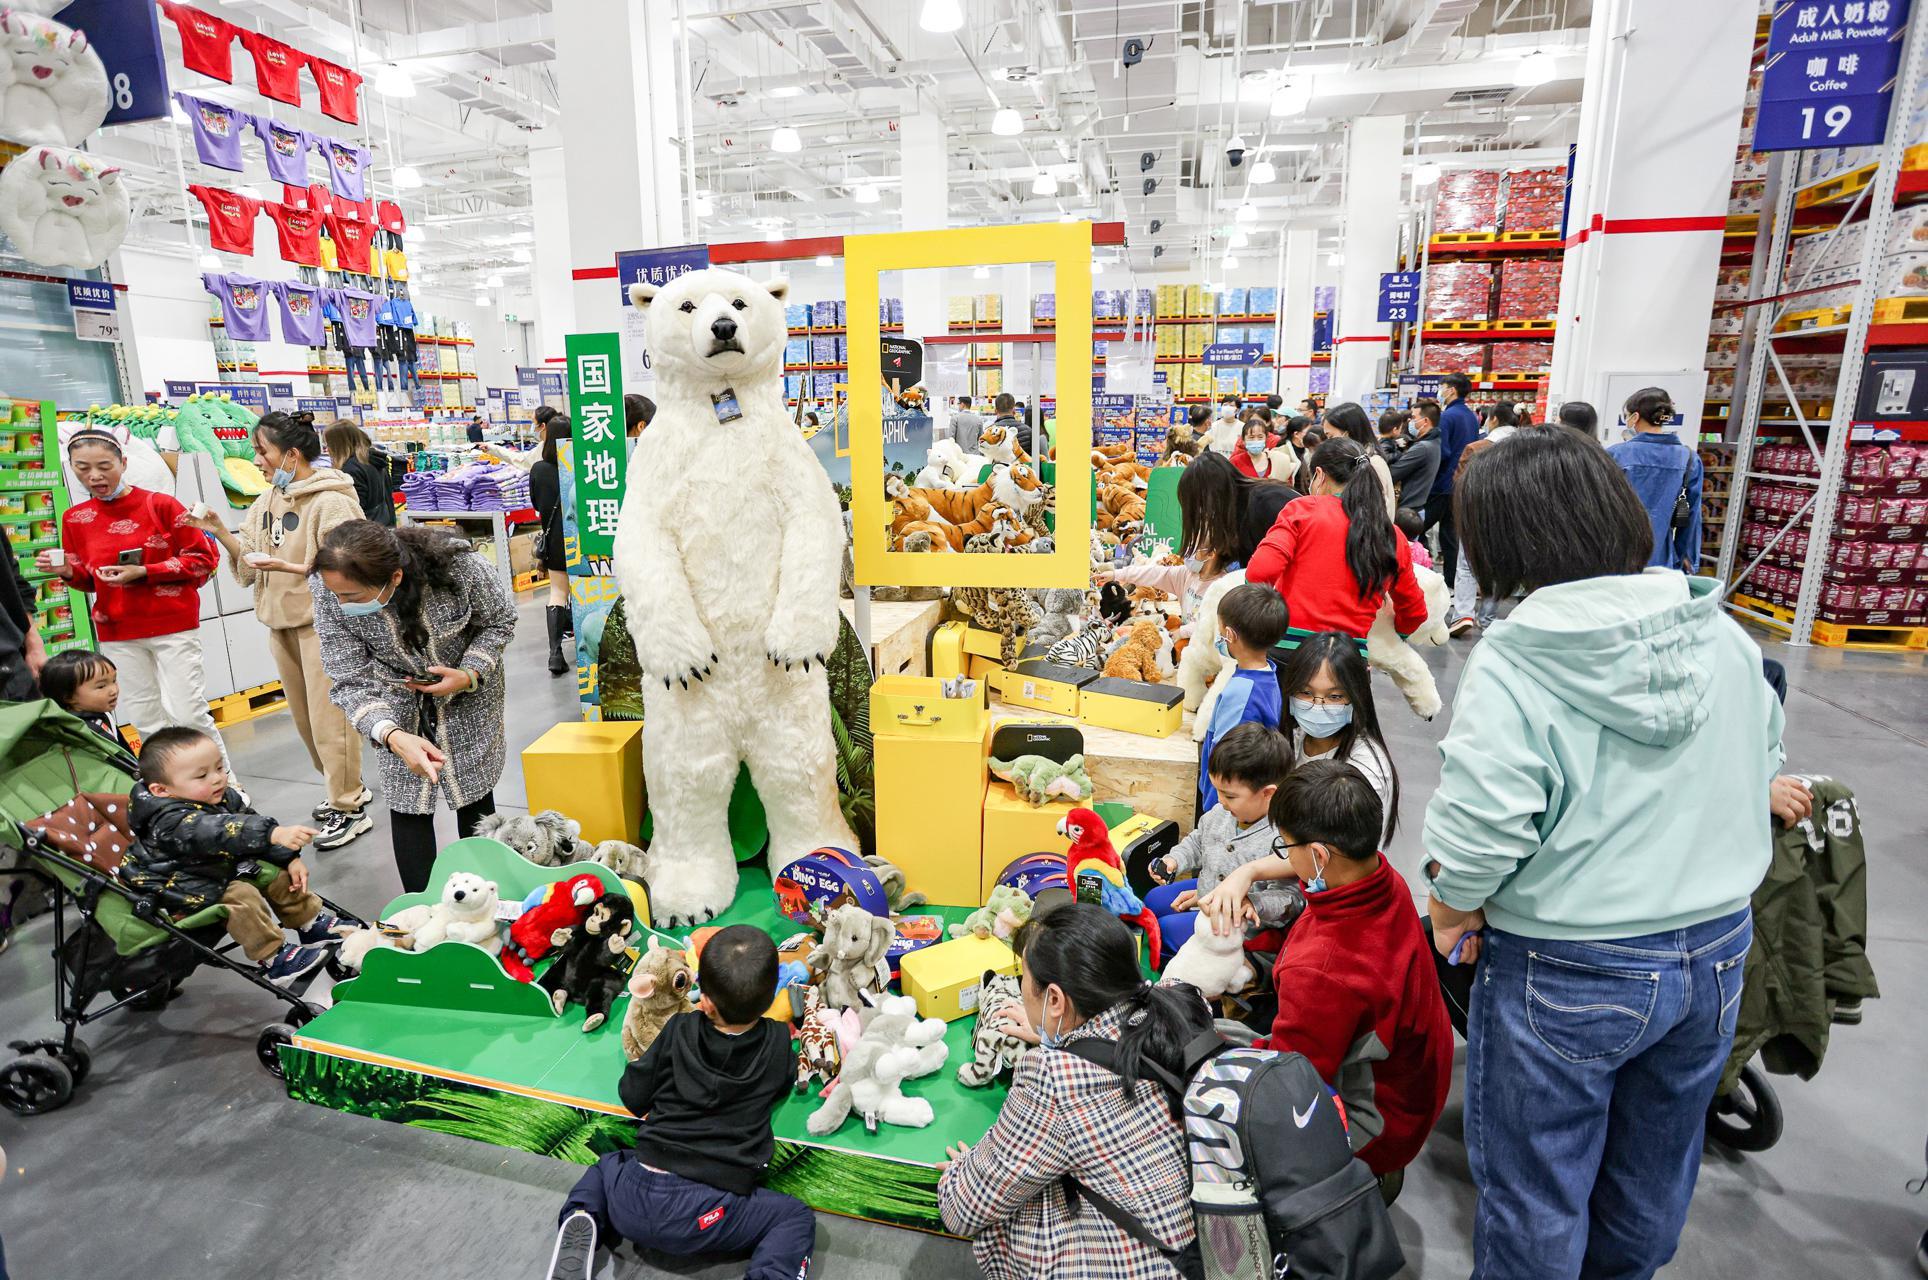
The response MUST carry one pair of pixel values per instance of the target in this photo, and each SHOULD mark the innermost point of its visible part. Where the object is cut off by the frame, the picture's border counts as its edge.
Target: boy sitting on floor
(198, 843)
(705, 1088)
(1247, 766)
(1358, 993)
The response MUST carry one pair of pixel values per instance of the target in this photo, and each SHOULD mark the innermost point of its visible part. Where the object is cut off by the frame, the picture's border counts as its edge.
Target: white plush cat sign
(53, 88)
(62, 208)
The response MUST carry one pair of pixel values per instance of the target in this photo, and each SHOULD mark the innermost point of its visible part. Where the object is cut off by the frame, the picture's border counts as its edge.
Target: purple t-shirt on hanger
(244, 304)
(357, 308)
(300, 313)
(286, 147)
(217, 131)
(346, 165)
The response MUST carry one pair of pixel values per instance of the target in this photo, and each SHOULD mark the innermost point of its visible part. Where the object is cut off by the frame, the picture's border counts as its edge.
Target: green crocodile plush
(1039, 779)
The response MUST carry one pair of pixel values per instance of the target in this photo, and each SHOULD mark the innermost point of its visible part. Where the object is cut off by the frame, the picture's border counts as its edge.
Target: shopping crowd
(1608, 926)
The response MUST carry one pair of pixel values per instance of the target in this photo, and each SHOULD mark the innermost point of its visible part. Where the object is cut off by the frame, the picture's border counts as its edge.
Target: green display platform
(447, 1041)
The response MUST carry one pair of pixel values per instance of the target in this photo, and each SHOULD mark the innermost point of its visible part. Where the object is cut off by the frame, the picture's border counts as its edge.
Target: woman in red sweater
(144, 563)
(1334, 554)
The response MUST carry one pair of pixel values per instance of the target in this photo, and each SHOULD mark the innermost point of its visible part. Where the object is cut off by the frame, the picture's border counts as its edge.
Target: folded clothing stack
(484, 487)
(419, 490)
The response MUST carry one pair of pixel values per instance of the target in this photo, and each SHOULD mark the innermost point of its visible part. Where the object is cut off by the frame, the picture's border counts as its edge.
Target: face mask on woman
(363, 608)
(1320, 721)
(1048, 1039)
(282, 477)
(119, 490)
(1194, 564)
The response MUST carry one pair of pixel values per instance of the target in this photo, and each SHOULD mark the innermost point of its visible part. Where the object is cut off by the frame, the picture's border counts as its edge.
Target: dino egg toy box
(945, 979)
(1031, 872)
(1133, 706)
(915, 934)
(814, 885)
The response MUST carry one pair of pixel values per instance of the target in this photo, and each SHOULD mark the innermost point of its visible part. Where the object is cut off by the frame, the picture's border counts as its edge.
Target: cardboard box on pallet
(1529, 289)
(1522, 357)
(1534, 200)
(1452, 357)
(1467, 200)
(1459, 291)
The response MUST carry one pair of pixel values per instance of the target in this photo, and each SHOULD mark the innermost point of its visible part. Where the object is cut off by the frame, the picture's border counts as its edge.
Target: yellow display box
(592, 772)
(982, 643)
(946, 978)
(948, 659)
(915, 707)
(1133, 706)
(1013, 828)
(1041, 685)
(930, 807)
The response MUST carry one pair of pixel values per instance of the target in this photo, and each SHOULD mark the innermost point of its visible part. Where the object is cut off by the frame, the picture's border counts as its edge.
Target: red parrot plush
(564, 906)
(1091, 853)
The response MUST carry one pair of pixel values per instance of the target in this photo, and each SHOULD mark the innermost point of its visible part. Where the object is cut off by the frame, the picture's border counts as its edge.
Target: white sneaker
(574, 1257)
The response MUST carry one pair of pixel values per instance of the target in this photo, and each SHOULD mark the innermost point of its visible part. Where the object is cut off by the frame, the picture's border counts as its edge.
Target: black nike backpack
(1276, 1190)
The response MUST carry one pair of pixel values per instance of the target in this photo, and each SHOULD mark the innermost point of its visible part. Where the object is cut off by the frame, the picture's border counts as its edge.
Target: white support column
(555, 292)
(1659, 117)
(622, 171)
(1301, 250)
(1360, 343)
(924, 202)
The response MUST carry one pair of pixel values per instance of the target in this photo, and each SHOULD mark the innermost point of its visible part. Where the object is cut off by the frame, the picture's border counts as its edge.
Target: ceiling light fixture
(701, 206)
(980, 273)
(408, 177)
(1534, 69)
(864, 193)
(1067, 217)
(786, 91)
(786, 140)
(1230, 262)
(1425, 174)
(1007, 123)
(1265, 171)
(1247, 213)
(1293, 97)
(941, 17)
(521, 255)
(211, 262)
(1239, 239)
(774, 234)
(1339, 259)
(1096, 266)
(494, 282)
(1044, 185)
(481, 299)
(391, 81)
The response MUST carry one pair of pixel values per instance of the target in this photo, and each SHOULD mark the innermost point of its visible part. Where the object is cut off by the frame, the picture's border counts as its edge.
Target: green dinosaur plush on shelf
(1039, 779)
(1007, 908)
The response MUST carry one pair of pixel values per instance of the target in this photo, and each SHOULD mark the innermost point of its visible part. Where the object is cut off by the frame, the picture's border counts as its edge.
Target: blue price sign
(658, 266)
(90, 295)
(281, 391)
(251, 395)
(127, 36)
(315, 404)
(1232, 354)
(178, 390)
(550, 381)
(1398, 296)
(1830, 73)
(525, 375)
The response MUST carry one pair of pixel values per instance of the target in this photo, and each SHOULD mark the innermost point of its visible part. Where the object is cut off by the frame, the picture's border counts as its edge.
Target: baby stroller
(64, 795)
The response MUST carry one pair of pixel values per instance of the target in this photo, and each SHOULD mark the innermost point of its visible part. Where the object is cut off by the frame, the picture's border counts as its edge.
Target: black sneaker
(292, 961)
(338, 828)
(575, 1253)
(321, 811)
(321, 931)
(1847, 1013)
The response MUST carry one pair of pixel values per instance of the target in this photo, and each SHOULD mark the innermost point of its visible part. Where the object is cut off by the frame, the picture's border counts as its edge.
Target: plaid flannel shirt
(1066, 1115)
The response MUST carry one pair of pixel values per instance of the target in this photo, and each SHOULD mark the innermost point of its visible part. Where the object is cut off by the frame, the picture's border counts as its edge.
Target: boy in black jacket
(705, 1088)
(198, 843)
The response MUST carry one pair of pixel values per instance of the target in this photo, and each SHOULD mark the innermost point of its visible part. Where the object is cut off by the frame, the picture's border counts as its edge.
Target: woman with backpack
(1112, 1133)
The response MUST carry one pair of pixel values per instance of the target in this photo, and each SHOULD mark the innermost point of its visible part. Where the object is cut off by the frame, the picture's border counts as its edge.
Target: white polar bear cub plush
(466, 913)
(727, 552)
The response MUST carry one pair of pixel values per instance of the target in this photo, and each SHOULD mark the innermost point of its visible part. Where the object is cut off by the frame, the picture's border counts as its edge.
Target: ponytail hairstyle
(369, 554)
(1653, 404)
(1339, 653)
(1371, 553)
(287, 431)
(1087, 953)
(1349, 420)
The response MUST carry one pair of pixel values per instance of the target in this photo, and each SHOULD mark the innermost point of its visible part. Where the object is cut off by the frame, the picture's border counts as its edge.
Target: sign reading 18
(1835, 118)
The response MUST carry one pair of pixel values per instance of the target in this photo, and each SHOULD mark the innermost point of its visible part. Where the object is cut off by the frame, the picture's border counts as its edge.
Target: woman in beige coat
(272, 552)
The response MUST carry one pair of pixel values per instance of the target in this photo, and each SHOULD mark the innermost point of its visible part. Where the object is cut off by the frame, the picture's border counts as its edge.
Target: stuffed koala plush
(850, 955)
(588, 966)
(548, 838)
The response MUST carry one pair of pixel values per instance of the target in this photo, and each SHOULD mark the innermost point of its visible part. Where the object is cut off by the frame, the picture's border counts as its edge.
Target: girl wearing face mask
(1066, 1116)
(412, 625)
(144, 564)
(1258, 450)
(273, 552)
(1328, 692)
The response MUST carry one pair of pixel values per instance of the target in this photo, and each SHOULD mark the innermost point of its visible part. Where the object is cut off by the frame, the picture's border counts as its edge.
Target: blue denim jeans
(1589, 1067)
(1175, 928)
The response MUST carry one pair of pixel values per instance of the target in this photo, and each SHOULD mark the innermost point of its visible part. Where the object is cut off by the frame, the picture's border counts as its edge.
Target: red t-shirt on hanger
(338, 86)
(207, 42)
(299, 233)
(230, 218)
(352, 241)
(277, 67)
(388, 216)
(315, 196)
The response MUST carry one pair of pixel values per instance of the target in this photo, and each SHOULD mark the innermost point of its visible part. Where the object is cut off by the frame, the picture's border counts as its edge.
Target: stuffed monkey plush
(588, 967)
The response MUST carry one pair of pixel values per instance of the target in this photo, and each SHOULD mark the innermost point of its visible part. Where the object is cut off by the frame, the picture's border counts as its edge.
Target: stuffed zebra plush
(993, 1051)
(1082, 648)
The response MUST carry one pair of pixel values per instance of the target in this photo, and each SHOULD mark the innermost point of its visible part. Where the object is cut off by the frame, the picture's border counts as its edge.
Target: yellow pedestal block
(1013, 828)
(946, 978)
(930, 809)
(593, 773)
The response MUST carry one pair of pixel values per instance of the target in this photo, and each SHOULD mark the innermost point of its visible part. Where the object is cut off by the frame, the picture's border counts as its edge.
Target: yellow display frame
(1067, 247)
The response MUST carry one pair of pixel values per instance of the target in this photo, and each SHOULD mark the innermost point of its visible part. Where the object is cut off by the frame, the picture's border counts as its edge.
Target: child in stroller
(198, 842)
(87, 684)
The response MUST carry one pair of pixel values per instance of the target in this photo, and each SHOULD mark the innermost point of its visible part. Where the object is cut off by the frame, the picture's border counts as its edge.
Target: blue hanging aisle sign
(249, 395)
(1232, 354)
(1398, 296)
(1830, 74)
(127, 36)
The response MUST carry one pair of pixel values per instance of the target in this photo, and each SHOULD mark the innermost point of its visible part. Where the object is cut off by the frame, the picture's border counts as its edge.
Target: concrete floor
(182, 1158)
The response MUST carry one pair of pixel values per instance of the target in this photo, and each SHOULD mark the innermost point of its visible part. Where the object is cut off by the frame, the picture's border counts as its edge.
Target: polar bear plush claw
(731, 552)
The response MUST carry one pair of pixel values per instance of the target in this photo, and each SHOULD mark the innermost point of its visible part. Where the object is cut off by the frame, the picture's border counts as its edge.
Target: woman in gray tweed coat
(412, 625)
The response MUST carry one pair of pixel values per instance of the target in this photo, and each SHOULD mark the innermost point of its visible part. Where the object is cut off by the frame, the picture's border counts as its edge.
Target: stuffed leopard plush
(1005, 610)
(993, 1052)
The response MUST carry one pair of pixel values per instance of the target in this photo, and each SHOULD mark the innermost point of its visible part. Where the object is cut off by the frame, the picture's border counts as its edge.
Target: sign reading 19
(1836, 118)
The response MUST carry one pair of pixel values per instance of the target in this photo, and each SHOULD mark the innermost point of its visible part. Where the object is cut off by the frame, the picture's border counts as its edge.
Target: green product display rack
(33, 498)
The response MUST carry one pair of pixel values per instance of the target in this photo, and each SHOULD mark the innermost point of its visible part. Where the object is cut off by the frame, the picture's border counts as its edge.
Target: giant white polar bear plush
(727, 552)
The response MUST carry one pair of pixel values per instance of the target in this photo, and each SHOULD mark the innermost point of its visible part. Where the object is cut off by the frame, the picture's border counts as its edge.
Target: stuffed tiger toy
(1000, 444)
(1017, 487)
(993, 1051)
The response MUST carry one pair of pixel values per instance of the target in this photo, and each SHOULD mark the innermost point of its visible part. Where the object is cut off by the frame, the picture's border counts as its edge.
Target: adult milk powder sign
(1830, 73)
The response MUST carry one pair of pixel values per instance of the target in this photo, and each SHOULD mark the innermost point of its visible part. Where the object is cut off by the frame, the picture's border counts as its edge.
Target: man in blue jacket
(1458, 427)
(1662, 471)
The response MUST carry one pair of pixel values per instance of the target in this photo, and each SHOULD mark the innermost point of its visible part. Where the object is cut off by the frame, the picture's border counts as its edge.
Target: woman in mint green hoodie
(1601, 822)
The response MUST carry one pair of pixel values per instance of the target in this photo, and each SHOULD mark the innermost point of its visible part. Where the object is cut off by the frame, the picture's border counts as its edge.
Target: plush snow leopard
(993, 1051)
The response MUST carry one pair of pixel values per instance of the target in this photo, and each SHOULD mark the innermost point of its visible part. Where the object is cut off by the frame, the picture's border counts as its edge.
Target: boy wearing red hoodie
(1358, 993)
